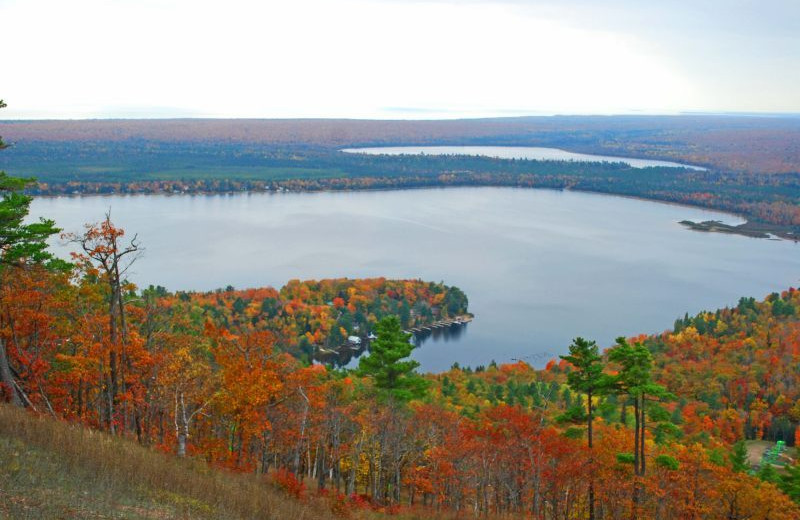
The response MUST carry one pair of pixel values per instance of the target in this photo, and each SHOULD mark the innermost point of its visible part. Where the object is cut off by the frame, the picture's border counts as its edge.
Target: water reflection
(348, 354)
(539, 267)
(450, 333)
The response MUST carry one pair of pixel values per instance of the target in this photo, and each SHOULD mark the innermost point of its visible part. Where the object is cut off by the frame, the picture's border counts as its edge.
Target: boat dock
(441, 324)
(458, 320)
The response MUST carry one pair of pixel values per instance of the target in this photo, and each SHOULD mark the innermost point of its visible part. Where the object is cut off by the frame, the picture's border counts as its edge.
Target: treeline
(645, 429)
(308, 318)
(738, 368)
(136, 161)
(742, 144)
(144, 167)
(215, 385)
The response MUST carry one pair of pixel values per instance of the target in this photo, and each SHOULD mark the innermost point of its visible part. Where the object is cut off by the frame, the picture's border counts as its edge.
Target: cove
(540, 267)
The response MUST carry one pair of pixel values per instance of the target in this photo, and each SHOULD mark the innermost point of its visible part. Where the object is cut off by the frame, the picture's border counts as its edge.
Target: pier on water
(458, 320)
(441, 324)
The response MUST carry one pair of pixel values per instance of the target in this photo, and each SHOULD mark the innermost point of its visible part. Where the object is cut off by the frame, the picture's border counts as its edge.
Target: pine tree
(635, 379)
(790, 482)
(738, 457)
(20, 244)
(587, 377)
(393, 377)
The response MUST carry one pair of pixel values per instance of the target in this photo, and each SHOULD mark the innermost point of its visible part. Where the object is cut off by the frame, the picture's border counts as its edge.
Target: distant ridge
(749, 143)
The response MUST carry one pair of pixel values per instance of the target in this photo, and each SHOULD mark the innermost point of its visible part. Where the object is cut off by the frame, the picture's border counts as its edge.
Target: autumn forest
(750, 162)
(264, 382)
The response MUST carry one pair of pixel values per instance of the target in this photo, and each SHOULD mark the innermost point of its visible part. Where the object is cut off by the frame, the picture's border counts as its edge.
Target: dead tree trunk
(7, 378)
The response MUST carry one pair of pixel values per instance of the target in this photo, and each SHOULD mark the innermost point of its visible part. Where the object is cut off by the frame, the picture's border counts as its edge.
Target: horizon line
(771, 114)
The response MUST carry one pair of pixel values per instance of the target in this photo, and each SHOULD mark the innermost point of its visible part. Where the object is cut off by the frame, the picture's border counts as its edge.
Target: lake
(540, 267)
(516, 152)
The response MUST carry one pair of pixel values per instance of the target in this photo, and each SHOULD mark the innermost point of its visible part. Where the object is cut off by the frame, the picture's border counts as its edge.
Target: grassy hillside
(50, 469)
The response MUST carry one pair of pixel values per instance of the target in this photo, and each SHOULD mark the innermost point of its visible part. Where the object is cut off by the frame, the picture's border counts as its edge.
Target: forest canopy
(659, 426)
(224, 376)
(751, 161)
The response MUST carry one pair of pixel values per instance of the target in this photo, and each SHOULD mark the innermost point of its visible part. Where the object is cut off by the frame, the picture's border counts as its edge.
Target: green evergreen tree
(394, 378)
(790, 482)
(20, 244)
(738, 457)
(768, 473)
(636, 380)
(587, 377)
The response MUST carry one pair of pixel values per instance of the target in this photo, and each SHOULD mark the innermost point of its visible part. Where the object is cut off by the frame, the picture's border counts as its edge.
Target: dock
(458, 320)
(441, 324)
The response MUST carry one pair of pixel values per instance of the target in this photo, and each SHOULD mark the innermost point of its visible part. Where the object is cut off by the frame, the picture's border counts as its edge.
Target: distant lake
(540, 267)
(515, 152)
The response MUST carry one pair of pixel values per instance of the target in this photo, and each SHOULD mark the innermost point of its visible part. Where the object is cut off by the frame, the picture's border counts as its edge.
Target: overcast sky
(396, 58)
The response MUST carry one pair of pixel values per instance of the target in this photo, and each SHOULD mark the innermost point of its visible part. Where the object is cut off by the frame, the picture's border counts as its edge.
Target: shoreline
(747, 228)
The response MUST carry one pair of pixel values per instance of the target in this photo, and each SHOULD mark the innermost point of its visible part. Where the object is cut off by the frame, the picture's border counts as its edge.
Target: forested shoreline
(769, 202)
(652, 427)
(659, 426)
(400, 260)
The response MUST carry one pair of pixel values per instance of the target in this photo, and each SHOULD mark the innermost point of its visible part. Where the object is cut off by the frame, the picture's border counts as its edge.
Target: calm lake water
(540, 267)
(515, 152)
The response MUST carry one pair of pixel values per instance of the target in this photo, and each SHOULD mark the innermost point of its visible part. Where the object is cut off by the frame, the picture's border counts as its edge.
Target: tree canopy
(20, 241)
(385, 363)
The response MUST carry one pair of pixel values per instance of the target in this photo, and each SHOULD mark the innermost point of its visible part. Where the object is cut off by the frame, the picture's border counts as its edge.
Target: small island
(748, 229)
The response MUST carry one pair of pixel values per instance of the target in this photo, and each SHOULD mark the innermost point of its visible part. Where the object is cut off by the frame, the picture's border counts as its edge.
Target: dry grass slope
(54, 470)
(50, 469)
